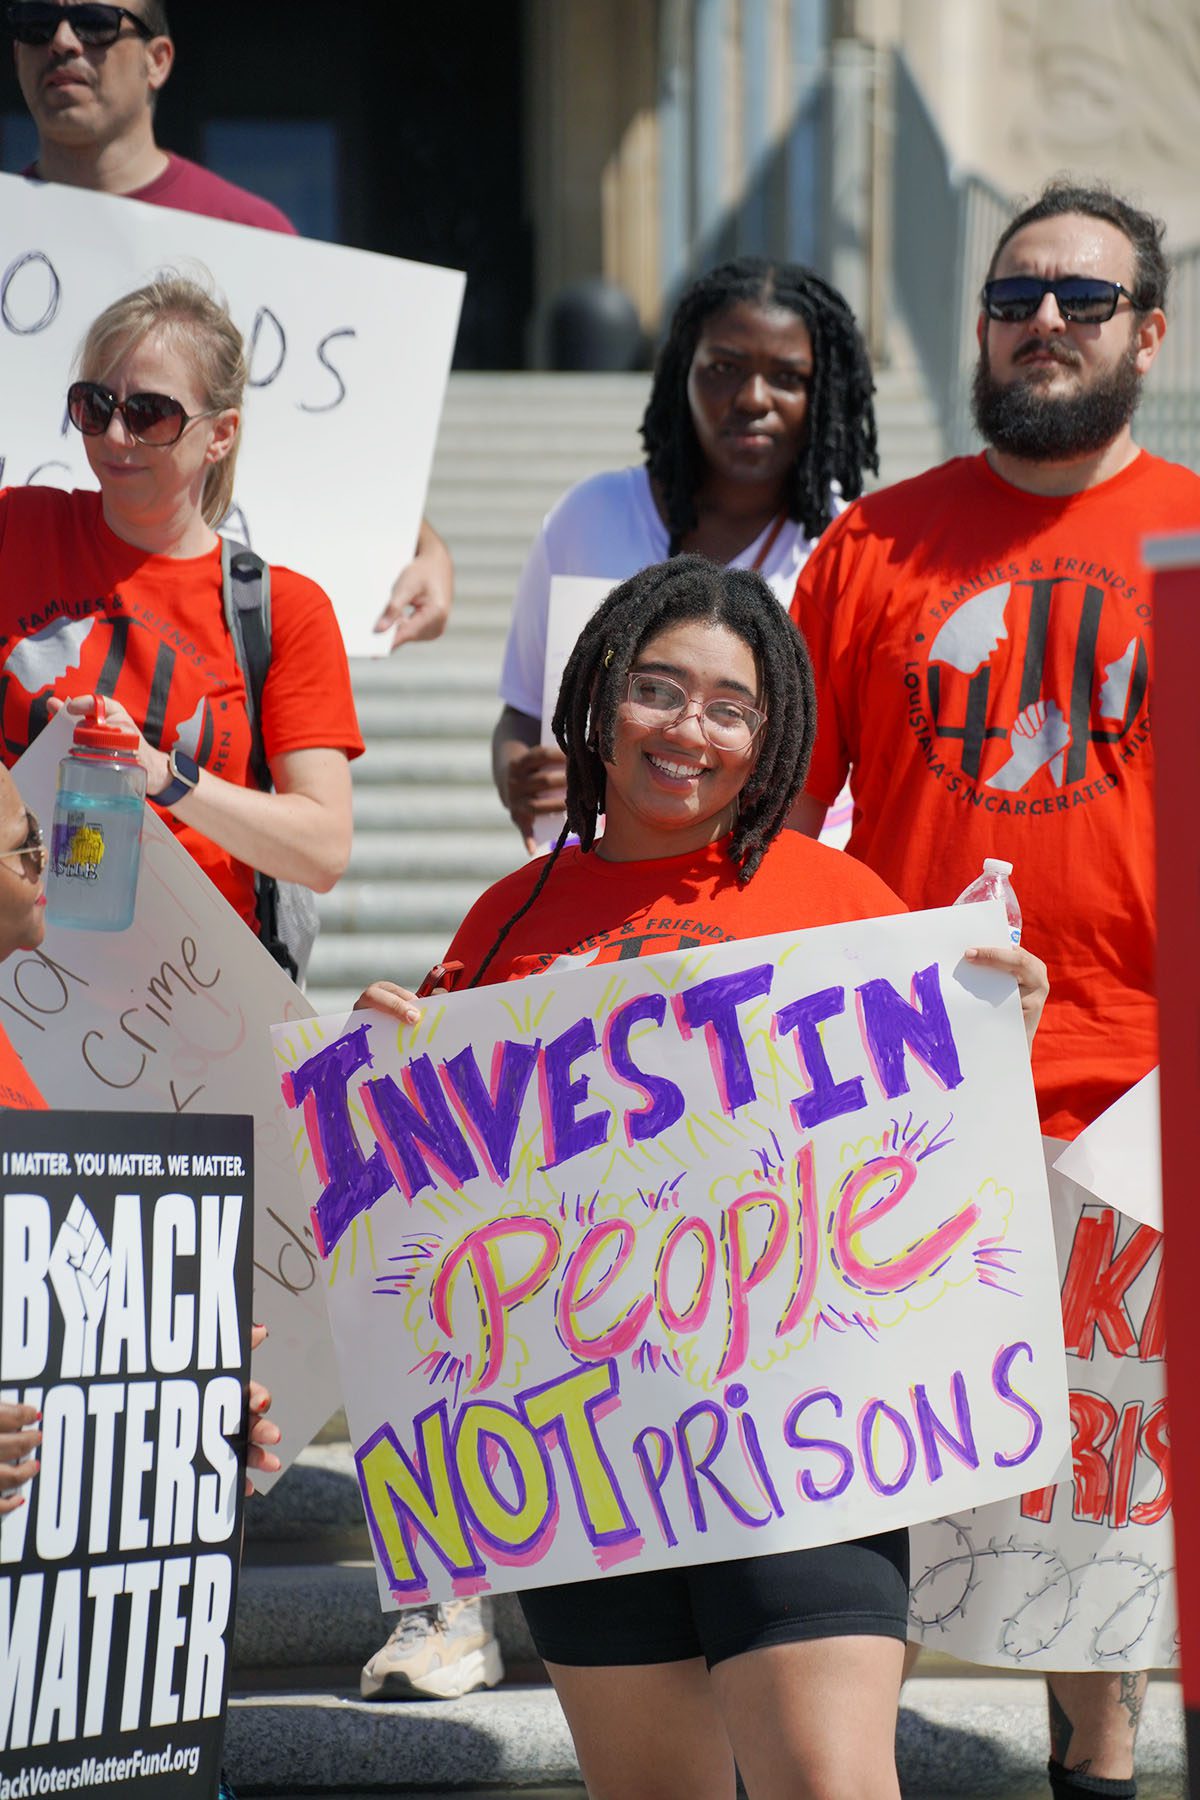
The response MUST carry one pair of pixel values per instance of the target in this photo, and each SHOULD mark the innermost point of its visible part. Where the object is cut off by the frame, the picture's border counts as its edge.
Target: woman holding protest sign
(125, 593)
(686, 717)
(758, 429)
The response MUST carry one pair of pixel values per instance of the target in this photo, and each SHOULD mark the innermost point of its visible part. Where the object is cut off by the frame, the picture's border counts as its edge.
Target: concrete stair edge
(978, 1736)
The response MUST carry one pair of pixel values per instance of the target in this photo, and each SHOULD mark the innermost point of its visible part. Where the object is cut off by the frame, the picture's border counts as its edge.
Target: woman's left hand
(1030, 971)
(83, 706)
(263, 1431)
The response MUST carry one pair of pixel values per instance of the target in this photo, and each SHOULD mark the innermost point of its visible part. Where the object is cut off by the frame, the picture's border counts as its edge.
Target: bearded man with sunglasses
(981, 637)
(91, 75)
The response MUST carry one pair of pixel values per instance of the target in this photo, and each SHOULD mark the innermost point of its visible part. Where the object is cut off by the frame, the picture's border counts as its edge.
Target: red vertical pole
(1176, 715)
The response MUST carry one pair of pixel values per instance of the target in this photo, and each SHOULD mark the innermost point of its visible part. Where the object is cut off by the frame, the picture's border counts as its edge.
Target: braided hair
(840, 439)
(597, 674)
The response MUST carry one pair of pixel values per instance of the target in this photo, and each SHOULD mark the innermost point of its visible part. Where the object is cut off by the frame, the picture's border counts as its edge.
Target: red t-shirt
(17, 1092)
(186, 187)
(83, 612)
(593, 911)
(983, 664)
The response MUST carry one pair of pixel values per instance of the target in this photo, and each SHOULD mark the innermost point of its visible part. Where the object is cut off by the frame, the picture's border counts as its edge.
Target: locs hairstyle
(595, 679)
(840, 441)
(1097, 201)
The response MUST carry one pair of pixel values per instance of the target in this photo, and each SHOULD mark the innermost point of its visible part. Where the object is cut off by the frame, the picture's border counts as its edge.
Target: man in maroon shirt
(91, 79)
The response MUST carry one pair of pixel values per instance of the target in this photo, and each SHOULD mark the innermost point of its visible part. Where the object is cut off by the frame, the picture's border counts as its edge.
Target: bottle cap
(97, 734)
(993, 866)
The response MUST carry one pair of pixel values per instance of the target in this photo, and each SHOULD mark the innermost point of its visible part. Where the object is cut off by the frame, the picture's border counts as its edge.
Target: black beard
(1023, 420)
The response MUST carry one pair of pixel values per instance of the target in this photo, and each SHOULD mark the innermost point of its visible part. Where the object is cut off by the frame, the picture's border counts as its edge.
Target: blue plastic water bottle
(96, 842)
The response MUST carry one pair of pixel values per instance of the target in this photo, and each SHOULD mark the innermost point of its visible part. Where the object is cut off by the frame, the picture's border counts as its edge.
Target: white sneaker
(434, 1653)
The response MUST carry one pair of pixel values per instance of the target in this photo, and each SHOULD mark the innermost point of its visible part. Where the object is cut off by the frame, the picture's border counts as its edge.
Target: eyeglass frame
(1052, 287)
(118, 406)
(35, 848)
(144, 30)
(690, 700)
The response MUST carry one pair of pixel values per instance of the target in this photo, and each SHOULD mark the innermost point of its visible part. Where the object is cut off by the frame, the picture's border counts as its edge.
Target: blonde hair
(201, 328)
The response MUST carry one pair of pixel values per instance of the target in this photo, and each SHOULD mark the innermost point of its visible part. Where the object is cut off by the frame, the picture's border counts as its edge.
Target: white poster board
(1078, 1574)
(697, 1256)
(170, 1016)
(1119, 1156)
(573, 600)
(349, 354)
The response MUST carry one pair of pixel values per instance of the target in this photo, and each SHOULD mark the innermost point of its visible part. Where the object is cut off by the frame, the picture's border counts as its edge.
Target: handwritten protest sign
(348, 354)
(698, 1256)
(173, 1015)
(1076, 1574)
(1119, 1156)
(124, 1301)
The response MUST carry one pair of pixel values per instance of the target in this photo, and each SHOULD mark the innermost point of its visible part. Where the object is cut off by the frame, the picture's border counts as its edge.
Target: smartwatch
(185, 773)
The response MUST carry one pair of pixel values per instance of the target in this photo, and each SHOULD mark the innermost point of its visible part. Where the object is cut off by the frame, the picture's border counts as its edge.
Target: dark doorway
(391, 128)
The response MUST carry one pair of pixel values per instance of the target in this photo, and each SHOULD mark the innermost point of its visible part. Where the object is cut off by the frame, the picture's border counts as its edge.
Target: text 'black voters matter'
(125, 1262)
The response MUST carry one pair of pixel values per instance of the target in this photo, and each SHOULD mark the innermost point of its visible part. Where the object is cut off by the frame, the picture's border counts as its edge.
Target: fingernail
(261, 1405)
(37, 1418)
(258, 1325)
(412, 1015)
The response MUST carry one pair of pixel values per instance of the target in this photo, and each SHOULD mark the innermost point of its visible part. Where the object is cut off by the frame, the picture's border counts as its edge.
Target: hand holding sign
(19, 1439)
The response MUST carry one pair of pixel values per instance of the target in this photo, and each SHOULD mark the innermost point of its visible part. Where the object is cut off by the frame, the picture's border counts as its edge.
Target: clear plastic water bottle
(994, 884)
(96, 842)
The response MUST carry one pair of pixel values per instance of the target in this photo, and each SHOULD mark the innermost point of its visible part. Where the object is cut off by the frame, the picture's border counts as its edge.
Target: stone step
(313, 1622)
(437, 712)
(973, 1735)
(343, 965)
(327, 1741)
(452, 664)
(530, 459)
(478, 513)
(483, 855)
(409, 811)
(398, 907)
(448, 761)
(313, 1512)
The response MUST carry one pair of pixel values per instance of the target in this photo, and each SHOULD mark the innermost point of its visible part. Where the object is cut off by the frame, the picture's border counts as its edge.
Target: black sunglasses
(32, 850)
(36, 21)
(1081, 299)
(155, 419)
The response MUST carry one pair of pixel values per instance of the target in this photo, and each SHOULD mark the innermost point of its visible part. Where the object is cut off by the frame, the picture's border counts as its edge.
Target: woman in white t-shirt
(759, 428)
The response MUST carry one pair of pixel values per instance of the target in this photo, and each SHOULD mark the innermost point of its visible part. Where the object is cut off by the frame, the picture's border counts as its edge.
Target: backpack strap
(246, 596)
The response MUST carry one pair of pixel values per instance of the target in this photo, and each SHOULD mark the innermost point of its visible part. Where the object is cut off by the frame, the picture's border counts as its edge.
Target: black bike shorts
(718, 1610)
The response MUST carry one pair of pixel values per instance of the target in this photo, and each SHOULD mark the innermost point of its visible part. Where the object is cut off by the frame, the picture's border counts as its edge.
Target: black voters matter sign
(125, 1319)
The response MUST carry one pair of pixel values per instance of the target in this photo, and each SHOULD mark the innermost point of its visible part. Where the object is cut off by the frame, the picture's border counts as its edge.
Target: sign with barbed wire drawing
(1077, 1573)
(684, 1258)
(125, 1245)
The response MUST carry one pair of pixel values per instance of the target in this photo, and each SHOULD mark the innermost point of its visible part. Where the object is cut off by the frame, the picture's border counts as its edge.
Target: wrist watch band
(185, 773)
